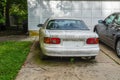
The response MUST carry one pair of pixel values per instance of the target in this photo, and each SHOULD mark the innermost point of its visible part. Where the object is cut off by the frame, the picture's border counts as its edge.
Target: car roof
(63, 17)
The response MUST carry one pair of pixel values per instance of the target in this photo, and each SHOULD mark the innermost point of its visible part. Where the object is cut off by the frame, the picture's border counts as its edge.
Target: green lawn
(12, 57)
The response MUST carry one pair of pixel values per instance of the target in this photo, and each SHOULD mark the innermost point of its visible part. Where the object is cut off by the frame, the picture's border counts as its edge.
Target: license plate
(73, 44)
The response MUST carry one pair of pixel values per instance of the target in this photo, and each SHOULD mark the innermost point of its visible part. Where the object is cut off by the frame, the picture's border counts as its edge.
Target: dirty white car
(67, 37)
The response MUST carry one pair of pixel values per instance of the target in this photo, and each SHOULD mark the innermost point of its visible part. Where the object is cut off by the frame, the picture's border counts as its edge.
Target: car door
(110, 30)
(104, 28)
(110, 34)
(101, 30)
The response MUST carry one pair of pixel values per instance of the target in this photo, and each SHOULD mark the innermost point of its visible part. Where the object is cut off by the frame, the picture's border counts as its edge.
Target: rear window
(65, 24)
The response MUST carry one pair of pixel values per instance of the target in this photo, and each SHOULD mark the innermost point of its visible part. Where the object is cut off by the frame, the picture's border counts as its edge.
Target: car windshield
(66, 24)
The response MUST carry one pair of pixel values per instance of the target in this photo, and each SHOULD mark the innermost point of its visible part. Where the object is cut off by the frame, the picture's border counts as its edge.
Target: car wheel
(118, 48)
(42, 56)
(89, 57)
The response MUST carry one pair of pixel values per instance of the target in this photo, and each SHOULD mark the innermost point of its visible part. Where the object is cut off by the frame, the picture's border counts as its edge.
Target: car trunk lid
(71, 38)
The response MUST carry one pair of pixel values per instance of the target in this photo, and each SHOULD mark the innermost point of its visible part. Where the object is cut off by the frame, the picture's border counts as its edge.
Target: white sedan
(67, 37)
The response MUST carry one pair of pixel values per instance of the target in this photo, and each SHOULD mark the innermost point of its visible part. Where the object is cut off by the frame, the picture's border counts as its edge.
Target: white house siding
(89, 11)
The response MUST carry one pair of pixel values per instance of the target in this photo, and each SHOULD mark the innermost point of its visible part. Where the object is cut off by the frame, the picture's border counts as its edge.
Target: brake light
(49, 40)
(92, 41)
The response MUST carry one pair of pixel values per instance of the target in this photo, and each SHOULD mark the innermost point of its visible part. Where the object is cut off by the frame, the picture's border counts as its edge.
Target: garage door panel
(44, 19)
(106, 5)
(115, 10)
(47, 12)
(76, 13)
(96, 5)
(86, 5)
(87, 13)
(66, 5)
(116, 5)
(33, 18)
(95, 20)
(105, 13)
(55, 5)
(96, 13)
(33, 25)
(77, 5)
(34, 11)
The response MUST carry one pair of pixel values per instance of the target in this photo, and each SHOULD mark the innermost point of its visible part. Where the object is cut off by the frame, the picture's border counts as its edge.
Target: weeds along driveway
(103, 68)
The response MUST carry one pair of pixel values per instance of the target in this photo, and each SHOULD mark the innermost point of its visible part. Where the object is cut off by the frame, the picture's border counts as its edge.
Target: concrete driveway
(105, 67)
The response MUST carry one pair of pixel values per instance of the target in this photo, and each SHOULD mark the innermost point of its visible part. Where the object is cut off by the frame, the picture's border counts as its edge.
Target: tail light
(49, 40)
(92, 41)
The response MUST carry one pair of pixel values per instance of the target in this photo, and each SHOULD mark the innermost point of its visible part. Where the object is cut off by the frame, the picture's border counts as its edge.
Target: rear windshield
(64, 24)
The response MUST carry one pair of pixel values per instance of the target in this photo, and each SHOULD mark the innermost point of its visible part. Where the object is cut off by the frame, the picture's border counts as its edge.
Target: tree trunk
(2, 23)
(7, 13)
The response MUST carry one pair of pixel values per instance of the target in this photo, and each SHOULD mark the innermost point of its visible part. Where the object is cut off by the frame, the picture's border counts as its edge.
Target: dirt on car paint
(102, 68)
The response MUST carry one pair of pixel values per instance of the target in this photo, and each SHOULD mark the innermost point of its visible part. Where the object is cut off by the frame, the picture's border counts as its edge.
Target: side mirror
(39, 25)
(100, 21)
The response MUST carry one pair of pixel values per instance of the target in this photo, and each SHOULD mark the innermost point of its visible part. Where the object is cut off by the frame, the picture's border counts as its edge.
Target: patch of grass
(12, 57)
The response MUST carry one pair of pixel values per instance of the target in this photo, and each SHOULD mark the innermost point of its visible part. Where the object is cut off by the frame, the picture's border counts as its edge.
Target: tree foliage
(12, 7)
(2, 5)
(19, 10)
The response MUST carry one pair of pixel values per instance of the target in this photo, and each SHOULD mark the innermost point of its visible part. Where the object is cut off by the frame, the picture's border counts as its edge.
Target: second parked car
(109, 31)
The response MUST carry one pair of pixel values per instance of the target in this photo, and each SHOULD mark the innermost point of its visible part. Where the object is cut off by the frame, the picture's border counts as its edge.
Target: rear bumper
(63, 52)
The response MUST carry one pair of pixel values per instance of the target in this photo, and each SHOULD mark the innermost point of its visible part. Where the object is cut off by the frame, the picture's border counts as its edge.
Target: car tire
(118, 48)
(42, 56)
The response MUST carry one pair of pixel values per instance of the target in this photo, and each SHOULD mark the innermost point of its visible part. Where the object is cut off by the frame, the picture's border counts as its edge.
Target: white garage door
(89, 11)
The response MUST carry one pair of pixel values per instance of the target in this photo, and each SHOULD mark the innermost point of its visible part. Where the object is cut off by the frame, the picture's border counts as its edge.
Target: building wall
(89, 11)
